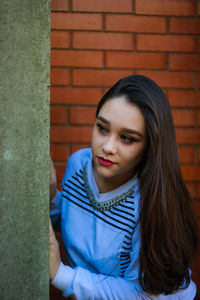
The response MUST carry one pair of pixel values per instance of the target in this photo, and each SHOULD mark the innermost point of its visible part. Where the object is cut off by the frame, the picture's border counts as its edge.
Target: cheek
(133, 154)
(140, 153)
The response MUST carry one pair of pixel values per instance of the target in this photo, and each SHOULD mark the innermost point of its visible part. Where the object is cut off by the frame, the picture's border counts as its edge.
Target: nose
(110, 145)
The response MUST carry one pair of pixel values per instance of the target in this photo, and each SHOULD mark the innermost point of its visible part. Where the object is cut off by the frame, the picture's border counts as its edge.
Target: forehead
(120, 112)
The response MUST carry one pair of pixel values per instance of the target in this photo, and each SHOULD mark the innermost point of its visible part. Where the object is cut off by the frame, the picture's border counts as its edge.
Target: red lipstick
(105, 162)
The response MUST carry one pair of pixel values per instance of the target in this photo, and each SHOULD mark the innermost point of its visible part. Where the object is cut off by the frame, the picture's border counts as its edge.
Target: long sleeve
(102, 247)
(56, 203)
(87, 279)
(83, 284)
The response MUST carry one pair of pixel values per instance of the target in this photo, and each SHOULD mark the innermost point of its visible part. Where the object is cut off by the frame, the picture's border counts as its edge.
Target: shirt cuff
(63, 278)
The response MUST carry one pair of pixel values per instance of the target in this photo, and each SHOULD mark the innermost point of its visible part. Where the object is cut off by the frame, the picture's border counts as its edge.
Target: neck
(108, 184)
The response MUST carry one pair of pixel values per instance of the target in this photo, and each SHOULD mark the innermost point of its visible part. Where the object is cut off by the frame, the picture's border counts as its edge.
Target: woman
(126, 218)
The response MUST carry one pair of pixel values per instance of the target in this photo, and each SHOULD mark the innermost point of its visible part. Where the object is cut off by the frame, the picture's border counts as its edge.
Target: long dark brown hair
(168, 226)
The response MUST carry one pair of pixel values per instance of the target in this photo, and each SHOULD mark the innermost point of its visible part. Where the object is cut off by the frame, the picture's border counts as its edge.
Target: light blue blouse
(102, 247)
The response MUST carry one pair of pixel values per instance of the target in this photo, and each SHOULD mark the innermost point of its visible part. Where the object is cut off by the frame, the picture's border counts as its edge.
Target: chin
(104, 171)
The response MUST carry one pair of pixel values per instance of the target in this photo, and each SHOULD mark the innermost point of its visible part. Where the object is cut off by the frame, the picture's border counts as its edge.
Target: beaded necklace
(105, 205)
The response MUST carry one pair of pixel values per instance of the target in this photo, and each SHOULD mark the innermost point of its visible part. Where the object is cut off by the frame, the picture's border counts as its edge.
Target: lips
(105, 162)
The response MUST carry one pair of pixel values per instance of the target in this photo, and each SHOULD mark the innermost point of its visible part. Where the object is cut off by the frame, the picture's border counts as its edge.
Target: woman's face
(118, 143)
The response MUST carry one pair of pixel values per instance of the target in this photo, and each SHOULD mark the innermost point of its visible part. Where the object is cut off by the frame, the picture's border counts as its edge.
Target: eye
(101, 128)
(127, 139)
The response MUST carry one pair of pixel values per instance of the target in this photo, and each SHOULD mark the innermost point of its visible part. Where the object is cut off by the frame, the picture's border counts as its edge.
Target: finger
(53, 179)
(51, 231)
(51, 164)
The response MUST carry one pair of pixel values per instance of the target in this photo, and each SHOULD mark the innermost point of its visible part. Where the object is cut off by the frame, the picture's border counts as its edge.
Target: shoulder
(76, 161)
(80, 157)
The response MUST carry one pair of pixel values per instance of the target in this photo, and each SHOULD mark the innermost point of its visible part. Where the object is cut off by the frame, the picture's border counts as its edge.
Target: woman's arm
(53, 181)
(54, 253)
(82, 284)
(55, 198)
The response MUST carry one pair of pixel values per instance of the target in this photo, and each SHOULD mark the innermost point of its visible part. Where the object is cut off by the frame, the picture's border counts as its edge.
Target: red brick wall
(95, 42)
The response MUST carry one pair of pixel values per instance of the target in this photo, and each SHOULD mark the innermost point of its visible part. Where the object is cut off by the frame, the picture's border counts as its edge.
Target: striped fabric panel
(121, 217)
(125, 253)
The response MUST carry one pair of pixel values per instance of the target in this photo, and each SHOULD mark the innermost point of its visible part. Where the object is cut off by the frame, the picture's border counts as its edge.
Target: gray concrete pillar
(24, 149)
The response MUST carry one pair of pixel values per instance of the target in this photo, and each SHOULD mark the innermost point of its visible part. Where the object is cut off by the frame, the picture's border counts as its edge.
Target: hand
(53, 181)
(54, 253)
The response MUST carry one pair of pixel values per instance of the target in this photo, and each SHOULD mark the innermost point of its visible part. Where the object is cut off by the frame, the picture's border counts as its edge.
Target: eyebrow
(131, 131)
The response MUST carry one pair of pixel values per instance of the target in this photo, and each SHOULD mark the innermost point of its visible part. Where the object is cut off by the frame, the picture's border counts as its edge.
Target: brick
(197, 258)
(74, 148)
(63, 257)
(198, 190)
(58, 115)
(132, 23)
(131, 60)
(62, 5)
(165, 7)
(59, 152)
(199, 155)
(82, 115)
(59, 76)
(76, 134)
(53, 289)
(184, 62)
(196, 205)
(184, 25)
(101, 78)
(186, 154)
(58, 235)
(59, 39)
(196, 278)
(76, 21)
(57, 296)
(102, 40)
(187, 136)
(167, 79)
(184, 98)
(183, 117)
(198, 118)
(198, 8)
(191, 189)
(199, 80)
(121, 6)
(60, 171)
(150, 42)
(75, 96)
(191, 173)
(59, 185)
(198, 250)
(76, 58)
